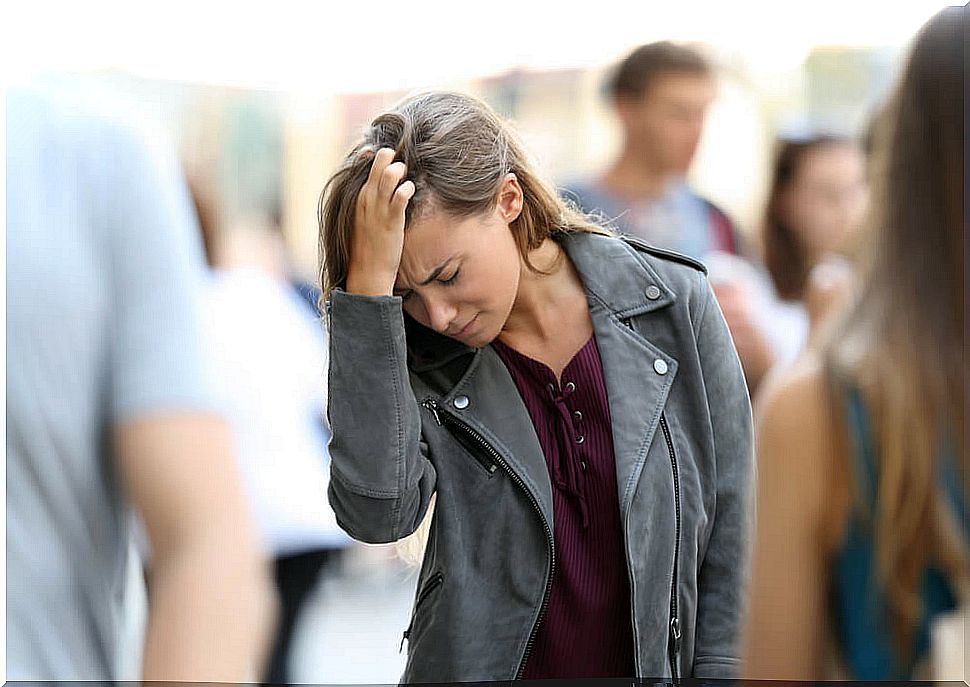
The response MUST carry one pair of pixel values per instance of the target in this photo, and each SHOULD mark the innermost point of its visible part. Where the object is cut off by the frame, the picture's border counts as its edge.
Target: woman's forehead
(432, 234)
(432, 240)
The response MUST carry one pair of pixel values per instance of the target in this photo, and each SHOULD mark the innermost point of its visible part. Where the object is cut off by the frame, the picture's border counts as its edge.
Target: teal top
(859, 606)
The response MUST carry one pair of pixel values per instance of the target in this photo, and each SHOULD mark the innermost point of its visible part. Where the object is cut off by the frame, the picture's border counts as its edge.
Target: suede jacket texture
(415, 413)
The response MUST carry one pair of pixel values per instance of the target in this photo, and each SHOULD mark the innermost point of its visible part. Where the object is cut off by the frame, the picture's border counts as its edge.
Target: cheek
(415, 308)
(498, 283)
(811, 224)
(820, 225)
(805, 212)
(858, 206)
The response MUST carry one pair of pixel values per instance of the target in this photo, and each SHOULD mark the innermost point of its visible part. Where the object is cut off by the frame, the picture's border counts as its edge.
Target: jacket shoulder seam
(663, 253)
(705, 303)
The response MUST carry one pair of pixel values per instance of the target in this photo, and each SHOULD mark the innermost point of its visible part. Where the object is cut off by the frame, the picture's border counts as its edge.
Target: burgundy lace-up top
(586, 630)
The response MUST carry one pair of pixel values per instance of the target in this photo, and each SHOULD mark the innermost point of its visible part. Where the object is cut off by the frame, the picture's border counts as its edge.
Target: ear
(509, 199)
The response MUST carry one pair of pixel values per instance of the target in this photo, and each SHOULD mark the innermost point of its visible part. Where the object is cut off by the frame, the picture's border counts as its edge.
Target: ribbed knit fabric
(587, 629)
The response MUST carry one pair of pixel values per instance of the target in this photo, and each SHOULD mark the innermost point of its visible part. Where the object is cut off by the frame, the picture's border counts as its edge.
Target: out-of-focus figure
(661, 94)
(816, 201)
(269, 354)
(862, 536)
(108, 406)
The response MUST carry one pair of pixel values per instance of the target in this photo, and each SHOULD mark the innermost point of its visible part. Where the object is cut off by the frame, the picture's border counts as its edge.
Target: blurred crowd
(167, 461)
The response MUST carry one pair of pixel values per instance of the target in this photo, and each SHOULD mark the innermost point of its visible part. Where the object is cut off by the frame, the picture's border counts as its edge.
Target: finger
(390, 178)
(382, 159)
(402, 195)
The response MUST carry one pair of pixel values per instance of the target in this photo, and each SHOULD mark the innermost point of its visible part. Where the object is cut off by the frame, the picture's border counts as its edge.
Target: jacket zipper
(629, 569)
(433, 583)
(480, 441)
(633, 597)
(675, 633)
(490, 468)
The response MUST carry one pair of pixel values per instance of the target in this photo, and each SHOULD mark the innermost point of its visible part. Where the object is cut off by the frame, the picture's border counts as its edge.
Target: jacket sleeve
(723, 578)
(381, 478)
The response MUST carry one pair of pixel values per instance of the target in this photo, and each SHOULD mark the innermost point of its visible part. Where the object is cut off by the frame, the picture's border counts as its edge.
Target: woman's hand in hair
(378, 236)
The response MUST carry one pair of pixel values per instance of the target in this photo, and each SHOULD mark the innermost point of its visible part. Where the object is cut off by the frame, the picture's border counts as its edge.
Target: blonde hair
(902, 342)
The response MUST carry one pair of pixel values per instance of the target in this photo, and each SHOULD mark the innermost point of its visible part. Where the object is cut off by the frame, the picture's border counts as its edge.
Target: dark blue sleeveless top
(859, 607)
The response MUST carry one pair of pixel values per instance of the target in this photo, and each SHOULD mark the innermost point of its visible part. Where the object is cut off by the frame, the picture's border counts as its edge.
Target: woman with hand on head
(571, 399)
(862, 541)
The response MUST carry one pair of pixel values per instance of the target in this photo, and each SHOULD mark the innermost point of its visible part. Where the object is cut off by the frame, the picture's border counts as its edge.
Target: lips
(464, 330)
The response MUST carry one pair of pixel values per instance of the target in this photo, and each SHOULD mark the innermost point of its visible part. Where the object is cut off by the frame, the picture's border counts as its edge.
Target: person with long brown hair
(861, 541)
(571, 399)
(816, 199)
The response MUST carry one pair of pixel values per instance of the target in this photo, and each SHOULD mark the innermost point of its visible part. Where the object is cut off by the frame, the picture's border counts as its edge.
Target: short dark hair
(635, 74)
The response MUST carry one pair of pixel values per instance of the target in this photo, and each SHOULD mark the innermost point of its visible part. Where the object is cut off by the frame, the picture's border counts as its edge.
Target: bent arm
(381, 479)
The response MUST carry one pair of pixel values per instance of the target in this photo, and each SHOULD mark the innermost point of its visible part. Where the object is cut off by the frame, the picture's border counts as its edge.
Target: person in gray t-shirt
(107, 405)
(661, 93)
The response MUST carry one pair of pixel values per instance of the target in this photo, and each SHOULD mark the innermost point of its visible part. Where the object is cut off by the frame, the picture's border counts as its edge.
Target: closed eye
(406, 295)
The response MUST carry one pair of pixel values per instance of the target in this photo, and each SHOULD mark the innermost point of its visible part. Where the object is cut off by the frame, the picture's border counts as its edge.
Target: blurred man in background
(108, 406)
(661, 94)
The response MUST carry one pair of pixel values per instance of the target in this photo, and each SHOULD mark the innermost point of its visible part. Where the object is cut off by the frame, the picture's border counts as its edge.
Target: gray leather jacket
(415, 413)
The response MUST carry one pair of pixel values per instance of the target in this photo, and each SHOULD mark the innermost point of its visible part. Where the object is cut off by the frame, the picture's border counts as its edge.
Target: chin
(482, 338)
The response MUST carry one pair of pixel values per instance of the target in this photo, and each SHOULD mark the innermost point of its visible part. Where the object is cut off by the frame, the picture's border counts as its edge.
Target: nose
(440, 314)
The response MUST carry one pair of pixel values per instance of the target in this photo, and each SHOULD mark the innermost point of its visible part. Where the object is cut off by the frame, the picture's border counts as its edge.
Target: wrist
(370, 285)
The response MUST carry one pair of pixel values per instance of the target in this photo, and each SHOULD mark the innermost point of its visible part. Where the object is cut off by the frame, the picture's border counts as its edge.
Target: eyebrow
(434, 274)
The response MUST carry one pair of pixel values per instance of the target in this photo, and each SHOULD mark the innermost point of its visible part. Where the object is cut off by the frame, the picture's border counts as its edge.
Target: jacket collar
(612, 273)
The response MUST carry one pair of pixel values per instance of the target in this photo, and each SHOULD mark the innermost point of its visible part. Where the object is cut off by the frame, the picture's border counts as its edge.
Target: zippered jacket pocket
(429, 587)
(462, 437)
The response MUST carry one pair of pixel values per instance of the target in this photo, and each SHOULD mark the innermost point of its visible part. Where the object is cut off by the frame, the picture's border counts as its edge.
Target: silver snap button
(578, 415)
(580, 439)
(653, 293)
(660, 366)
(570, 387)
(461, 402)
(583, 464)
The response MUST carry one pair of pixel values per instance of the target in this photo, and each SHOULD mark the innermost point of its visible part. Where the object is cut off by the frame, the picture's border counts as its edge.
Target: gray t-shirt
(104, 268)
(677, 220)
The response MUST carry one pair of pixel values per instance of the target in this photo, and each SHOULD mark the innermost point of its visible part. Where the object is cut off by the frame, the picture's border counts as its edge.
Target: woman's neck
(547, 300)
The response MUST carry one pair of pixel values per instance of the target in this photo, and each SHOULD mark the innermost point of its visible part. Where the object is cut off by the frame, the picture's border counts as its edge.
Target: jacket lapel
(494, 407)
(637, 373)
(496, 411)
